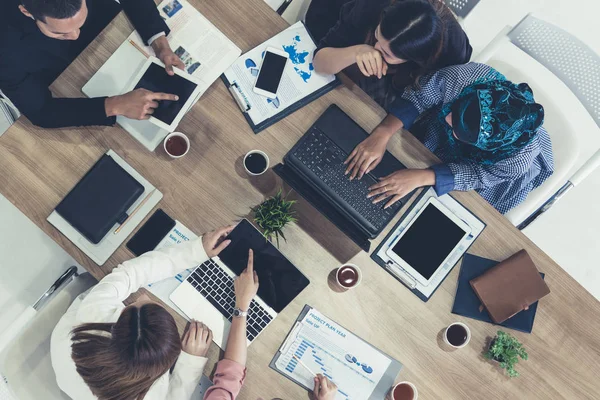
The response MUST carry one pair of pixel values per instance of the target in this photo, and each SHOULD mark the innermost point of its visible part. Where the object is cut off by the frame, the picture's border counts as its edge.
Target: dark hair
(121, 361)
(415, 30)
(59, 9)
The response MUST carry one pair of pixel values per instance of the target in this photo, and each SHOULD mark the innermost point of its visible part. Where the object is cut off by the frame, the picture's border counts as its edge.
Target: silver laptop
(207, 295)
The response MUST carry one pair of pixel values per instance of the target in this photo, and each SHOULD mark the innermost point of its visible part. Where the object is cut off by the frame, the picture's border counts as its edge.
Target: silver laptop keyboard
(216, 286)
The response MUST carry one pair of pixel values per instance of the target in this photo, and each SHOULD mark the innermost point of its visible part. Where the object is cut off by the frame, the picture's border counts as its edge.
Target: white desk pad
(102, 251)
(424, 292)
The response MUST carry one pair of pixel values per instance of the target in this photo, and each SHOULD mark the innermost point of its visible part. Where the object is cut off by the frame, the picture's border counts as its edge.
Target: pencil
(134, 44)
(134, 211)
(304, 365)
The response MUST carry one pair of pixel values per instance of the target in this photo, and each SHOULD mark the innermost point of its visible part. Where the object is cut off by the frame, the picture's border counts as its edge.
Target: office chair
(461, 8)
(577, 66)
(26, 371)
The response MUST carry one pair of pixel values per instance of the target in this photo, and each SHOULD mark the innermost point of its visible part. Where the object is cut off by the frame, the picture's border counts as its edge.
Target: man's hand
(163, 52)
(399, 184)
(368, 154)
(214, 242)
(246, 285)
(370, 62)
(196, 339)
(324, 388)
(137, 104)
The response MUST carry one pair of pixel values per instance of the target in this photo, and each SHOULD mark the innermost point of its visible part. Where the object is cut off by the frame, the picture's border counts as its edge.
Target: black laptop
(314, 168)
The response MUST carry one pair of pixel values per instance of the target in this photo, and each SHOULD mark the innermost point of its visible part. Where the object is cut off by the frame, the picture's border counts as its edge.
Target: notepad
(101, 251)
(466, 302)
(100, 199)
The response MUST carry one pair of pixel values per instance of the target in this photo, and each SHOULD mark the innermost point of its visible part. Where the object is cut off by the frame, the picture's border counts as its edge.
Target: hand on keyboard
(367, 155)
(214, 242)
(246, 285)
(399, 184)
(196, 339)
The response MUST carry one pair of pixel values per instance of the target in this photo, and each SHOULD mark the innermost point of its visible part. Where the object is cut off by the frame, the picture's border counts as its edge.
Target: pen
(134, 44)
(134, 211)
(304, 365)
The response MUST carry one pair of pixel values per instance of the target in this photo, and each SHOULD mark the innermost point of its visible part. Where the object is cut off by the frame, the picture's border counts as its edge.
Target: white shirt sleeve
(186, 376)
(105, 300)
(153, 38)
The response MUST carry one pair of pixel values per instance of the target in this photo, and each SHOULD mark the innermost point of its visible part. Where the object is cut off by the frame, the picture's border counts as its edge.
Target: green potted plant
(273, 214)
(506, 349)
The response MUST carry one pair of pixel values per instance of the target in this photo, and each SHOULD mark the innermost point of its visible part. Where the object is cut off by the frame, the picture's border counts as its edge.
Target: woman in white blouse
(102, 349)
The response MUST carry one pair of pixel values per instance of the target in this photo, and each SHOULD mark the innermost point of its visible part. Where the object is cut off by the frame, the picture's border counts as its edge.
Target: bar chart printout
(325, 347)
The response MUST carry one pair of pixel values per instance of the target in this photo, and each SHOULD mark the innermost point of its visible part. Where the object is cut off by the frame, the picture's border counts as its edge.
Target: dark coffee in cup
(457, 335)
(404, 391)
(176, 146)
(347, 276)
(256, 162)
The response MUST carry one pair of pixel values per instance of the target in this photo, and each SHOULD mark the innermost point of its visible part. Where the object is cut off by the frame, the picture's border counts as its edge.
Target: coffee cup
(256, 162)
(348, 276)
(176, 145)
(403, 391)
(457, 335)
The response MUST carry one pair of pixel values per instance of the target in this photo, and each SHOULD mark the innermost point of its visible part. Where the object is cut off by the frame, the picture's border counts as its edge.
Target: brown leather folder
(509, 287)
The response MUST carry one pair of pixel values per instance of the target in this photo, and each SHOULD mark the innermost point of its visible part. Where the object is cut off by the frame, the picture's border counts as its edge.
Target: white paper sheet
(164, 288)
(205, 51)
(325, 347)
(299, 78)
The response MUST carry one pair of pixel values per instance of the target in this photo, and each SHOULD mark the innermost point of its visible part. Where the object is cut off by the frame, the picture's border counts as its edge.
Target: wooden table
(208, 188)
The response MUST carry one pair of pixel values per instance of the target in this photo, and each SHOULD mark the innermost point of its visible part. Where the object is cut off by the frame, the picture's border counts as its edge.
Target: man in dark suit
(40, 38)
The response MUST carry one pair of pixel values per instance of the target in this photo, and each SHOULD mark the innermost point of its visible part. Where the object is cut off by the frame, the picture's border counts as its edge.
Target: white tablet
(152, 76)
(428, 241)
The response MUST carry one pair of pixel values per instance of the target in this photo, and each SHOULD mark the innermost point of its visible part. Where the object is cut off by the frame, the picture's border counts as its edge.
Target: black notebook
(466, 302)
(100, 199)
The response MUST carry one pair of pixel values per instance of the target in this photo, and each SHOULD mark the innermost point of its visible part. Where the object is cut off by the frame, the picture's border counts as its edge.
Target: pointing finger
(164, 96)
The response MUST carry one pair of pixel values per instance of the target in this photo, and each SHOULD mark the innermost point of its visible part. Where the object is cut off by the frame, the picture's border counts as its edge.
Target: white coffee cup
(413, 387)
(176, 134)
(466, 341)
(358, 277)
(260, 152)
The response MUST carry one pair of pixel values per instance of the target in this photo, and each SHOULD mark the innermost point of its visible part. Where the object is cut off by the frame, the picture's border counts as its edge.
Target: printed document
(299, 79)
(325, 347)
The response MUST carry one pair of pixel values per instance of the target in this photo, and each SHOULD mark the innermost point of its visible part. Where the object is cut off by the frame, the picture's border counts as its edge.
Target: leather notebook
(466, 302)
(510, 287)
(100, 199)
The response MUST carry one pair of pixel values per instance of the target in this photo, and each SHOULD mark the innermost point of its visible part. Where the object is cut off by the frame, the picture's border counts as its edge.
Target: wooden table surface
(208, 188)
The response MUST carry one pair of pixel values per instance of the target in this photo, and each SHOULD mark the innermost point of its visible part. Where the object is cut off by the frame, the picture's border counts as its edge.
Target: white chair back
(25, 365)
(571, 63)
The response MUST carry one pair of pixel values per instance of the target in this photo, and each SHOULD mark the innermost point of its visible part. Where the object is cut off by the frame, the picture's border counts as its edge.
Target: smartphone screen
(149, 236)
(271, 72)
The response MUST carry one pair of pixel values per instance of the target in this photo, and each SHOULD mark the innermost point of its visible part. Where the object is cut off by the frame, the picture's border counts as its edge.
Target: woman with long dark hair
(103, 350)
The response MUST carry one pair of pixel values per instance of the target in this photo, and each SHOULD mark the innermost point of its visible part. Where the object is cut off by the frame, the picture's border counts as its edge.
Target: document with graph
(316, 344)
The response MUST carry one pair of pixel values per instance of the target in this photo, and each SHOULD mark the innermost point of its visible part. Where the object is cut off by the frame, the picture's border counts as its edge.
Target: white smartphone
(271, 71)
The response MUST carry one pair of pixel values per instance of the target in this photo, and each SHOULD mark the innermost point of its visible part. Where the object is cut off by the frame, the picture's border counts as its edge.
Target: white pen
(304, 365)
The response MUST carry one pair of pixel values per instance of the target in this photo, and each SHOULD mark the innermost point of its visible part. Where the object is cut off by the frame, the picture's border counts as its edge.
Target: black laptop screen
(280, 281)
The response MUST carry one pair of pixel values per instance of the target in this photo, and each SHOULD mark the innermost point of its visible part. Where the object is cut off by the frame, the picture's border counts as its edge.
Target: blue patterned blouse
(504, 184)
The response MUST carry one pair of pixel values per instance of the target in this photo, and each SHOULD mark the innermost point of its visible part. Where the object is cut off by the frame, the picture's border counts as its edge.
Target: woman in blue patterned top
(486, 130)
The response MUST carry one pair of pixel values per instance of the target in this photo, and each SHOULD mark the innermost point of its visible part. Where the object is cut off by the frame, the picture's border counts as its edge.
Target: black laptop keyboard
(217, 287)
(325, 159)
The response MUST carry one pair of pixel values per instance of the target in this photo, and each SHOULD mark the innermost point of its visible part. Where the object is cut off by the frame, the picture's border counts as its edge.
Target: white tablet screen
(156, 79)
(428, 241)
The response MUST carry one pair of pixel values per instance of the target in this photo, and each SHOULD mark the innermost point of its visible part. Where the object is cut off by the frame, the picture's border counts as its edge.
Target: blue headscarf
(493, 120)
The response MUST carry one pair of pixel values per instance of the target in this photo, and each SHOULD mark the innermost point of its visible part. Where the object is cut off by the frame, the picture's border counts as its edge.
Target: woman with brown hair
(103, 350)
